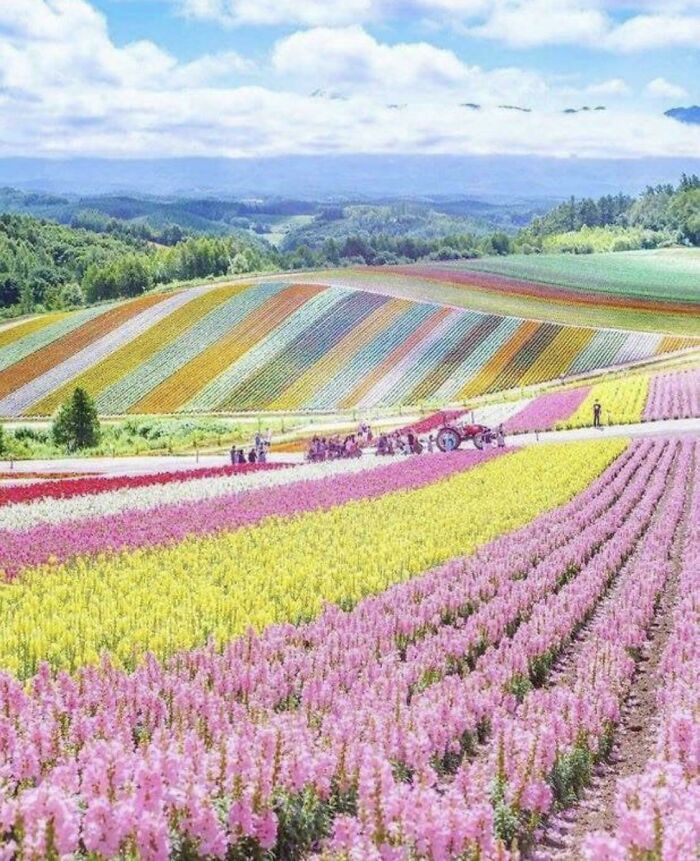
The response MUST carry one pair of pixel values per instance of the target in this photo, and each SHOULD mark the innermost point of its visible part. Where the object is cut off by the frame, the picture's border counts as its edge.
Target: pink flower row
(546, 410)
(88, 486)
(417, 820)
(674, 396)
(434, 421)
(201, 753)
(656, 810)
(173, 522)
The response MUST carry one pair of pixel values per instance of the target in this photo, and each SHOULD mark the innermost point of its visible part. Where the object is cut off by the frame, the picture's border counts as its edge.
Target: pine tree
(77, 425)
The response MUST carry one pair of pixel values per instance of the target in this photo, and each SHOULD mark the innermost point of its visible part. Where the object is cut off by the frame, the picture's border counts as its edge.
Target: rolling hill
(280, 345)
(648, 291)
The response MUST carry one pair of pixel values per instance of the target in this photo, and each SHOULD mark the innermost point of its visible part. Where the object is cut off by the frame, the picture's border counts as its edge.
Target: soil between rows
(562, 838)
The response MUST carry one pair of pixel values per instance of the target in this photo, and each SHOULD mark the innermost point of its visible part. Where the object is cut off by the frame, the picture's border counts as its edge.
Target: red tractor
(450, 437)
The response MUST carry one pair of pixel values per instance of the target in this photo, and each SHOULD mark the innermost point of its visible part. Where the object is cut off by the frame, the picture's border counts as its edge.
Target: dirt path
(634, 736)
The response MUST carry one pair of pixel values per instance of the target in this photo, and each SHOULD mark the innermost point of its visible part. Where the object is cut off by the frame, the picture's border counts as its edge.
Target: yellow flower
(175, 598)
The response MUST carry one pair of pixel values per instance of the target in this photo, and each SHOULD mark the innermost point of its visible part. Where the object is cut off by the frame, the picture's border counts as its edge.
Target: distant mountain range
(338, 177)
(685, 115)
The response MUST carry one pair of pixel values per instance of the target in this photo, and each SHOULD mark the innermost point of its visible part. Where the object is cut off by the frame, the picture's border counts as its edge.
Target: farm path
(160, 463)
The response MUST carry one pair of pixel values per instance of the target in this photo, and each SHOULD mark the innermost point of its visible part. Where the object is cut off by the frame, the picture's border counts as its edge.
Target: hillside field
(276, 345)
(652, 291)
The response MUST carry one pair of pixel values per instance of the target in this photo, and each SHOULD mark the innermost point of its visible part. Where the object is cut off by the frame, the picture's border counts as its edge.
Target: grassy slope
(664, 274)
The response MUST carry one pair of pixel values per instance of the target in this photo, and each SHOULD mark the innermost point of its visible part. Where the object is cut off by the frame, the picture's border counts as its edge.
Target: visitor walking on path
(501, 436)
(597, 409)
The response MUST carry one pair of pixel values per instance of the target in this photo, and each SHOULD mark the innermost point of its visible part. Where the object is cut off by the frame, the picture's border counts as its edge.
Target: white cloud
(660, 88)
(529, 23)
(647, 32)
(65, 43)
(532, 23)
(352, 60)
(611, 87)
(351, 56)
(519, 23)
(67, 89)
(305, 12)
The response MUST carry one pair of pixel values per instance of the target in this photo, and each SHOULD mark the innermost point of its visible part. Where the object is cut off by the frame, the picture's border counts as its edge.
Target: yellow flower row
(285, 569)
(117, 365)
(622, 402)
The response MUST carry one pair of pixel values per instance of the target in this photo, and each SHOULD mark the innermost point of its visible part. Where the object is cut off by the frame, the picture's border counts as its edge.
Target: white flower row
(17, 350)
(163, 363)
(265, 350)
(432, 357)
(22, 399)
(22, 516)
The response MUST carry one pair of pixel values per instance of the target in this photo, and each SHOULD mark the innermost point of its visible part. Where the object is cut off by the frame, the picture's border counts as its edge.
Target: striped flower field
(282, 346)
(274, 663)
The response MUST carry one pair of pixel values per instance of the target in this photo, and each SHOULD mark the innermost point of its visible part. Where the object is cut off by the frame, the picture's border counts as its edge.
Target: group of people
(256, 454)
(333, 447)
(402, 443)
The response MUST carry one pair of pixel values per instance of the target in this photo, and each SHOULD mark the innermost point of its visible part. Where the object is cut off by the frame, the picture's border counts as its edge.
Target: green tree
(2, 440)
(684, 213)
(76, 425)
(71, 296)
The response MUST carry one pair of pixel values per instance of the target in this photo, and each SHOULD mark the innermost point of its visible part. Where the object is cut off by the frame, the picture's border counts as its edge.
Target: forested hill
(668, 214)
(44, 265)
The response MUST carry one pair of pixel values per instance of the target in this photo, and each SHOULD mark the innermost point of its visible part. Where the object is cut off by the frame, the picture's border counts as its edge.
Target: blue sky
(265, 77)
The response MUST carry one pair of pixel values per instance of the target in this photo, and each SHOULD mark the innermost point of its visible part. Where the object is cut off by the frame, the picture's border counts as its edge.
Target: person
(350, 445)
(241, 456)
(252, 457)
(431, 443)
(596, 414)
(262, 454)
(501, 436)
(234, 455)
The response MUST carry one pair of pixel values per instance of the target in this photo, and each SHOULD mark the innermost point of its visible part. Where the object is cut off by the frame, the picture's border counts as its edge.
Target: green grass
(669, 274)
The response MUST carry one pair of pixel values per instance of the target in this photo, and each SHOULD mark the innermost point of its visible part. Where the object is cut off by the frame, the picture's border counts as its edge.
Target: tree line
(46, 266)
(672, 213)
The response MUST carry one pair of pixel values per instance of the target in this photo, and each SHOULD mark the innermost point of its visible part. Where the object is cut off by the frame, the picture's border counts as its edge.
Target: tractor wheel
(448, 439)
(479, 441)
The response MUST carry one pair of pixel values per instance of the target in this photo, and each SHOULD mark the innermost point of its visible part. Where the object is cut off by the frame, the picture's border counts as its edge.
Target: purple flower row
(673, 396)
(213, 750)
(546, 410)
(174, 522)
(417, 819)
(656, 810)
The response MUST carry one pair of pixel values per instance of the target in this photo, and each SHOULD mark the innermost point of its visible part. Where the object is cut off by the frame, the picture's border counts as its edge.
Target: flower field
(371, 659)
(281, 346)
(626, 400)
(673, 395)
(647, 292)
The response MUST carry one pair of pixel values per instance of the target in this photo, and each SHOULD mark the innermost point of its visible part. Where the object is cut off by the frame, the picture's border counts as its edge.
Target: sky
(243, 78)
